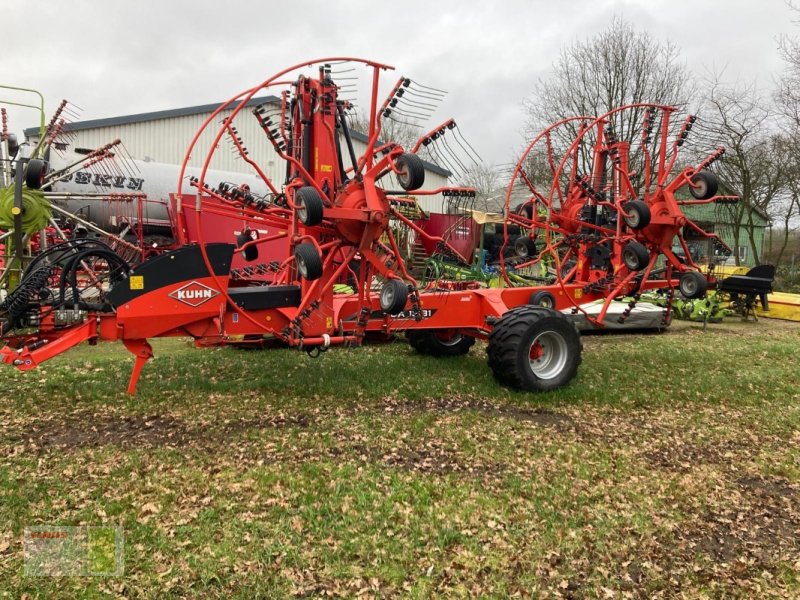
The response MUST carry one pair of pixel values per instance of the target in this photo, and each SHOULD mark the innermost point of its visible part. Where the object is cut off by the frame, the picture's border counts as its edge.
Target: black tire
(524, 246)
(525, 210)
(440, 343)
(543, 299)
(704, 185)
(393, 296)
(525, 330)
(309, 206)
(13, 145)
(692, 285)
(309, 262)
(35, 173)
(251, 252)
(636, 214)
(635, 256)
(411, 171)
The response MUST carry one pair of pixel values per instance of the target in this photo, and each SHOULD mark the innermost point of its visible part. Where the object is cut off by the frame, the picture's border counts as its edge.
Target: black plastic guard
(183, 264)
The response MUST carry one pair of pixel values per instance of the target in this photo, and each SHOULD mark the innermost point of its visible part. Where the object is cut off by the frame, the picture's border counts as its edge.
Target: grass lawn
(670, 466)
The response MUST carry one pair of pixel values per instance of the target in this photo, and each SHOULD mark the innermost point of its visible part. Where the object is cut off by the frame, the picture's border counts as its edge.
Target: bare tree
(616, 67)
(788, 92)
(755, 166)
(591, 77)
(788, 100)
(402, 133)
(489, 189)
(786, 207)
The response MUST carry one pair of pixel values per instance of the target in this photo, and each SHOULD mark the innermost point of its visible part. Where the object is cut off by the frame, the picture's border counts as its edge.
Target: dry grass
(671, 467)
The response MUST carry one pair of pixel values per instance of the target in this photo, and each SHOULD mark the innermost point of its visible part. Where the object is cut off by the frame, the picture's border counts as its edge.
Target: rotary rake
(329, 210)
(34, 218)
(605, 213)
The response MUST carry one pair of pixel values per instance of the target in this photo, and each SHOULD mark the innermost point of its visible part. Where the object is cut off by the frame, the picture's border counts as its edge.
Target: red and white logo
(194, 294)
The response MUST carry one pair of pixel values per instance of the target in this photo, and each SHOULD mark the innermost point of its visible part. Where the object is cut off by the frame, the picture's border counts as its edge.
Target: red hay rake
(606, 214)
(600, 214)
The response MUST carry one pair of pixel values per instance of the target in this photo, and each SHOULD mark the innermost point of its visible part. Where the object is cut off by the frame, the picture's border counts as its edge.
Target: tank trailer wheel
(439, 342)
(692, 285)
(309, 262)
(411, 171)
(309, 206)
(636, 214)
(534, 349)
(704, 185)
(393, 297)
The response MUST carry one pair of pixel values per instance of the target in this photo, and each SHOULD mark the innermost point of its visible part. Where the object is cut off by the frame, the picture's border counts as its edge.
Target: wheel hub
(548, 355)
(448, 339)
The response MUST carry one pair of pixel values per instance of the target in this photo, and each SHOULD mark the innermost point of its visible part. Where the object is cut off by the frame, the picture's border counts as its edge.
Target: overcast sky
(115, 58)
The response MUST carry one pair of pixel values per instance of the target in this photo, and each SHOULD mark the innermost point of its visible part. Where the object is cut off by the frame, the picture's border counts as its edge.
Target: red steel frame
(356, 219)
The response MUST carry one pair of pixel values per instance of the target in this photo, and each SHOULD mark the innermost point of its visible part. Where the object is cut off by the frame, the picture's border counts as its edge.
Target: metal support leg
(143, 352)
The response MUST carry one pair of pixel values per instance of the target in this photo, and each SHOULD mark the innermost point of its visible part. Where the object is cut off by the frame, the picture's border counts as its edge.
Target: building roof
(195, 110)
(149, 116)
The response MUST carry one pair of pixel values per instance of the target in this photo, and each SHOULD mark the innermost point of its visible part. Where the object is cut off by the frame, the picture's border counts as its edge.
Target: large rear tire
(534, 349)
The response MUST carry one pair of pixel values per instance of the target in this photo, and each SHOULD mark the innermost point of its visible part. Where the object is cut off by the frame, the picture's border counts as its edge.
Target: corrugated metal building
(164, 137)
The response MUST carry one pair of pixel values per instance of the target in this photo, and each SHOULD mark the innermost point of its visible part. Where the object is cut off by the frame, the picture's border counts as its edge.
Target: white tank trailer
(78, 191)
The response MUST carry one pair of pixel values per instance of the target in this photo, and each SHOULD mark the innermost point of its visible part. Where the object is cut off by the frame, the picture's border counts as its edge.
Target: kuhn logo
(194, 294)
